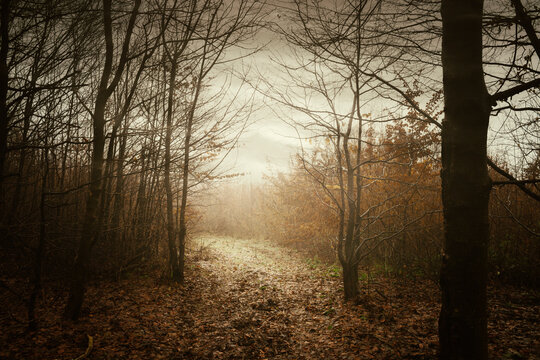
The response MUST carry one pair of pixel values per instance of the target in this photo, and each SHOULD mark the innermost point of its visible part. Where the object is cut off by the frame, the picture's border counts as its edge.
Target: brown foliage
(251, 299)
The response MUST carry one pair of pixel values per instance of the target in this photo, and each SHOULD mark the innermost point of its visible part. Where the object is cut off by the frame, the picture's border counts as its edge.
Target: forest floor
(248, 299)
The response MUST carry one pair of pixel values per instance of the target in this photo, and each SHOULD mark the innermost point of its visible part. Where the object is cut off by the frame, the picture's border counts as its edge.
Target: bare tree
(335, 63)
(105, 90)
(197, 44)
(174, 51)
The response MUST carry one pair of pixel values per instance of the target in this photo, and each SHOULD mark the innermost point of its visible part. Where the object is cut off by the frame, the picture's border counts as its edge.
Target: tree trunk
(465, 184)
(119, 196)
(40, 251)
(350, 267)
(171, 233)
(140, 218)
(185, 168)
(185, 179)
(350, 280)
(4, 119)
(89, 231)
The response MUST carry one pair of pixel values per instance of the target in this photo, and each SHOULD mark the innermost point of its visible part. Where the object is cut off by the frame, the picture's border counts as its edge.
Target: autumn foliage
(401, 207)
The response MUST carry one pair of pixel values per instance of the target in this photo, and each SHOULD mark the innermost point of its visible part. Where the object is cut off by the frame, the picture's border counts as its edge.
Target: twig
(267, 319)
(88, 349)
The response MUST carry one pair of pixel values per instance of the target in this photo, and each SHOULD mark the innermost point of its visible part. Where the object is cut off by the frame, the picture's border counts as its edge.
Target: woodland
(407, 225)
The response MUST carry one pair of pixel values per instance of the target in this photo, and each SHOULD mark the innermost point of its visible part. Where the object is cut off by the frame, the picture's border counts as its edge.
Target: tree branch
(513, 180)
(526, 23)
(504, 95)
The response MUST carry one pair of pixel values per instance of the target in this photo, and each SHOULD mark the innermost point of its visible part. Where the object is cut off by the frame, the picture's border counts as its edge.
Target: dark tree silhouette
(105, 90)
(465, 184)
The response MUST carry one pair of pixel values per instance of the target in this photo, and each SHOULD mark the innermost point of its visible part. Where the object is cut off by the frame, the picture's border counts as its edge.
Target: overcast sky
(268, 144)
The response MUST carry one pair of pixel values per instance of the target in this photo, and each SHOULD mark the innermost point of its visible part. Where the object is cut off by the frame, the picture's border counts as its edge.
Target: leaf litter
(249, 299)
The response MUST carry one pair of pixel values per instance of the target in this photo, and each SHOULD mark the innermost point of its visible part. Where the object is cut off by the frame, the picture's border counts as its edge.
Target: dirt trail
(265, 302)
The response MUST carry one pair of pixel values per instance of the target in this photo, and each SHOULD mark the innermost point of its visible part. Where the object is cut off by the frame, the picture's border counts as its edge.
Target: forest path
(263, 301)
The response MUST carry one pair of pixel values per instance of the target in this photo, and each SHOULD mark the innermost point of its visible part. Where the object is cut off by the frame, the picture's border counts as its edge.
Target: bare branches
(526, 23)
(513, 180)
(508, 93)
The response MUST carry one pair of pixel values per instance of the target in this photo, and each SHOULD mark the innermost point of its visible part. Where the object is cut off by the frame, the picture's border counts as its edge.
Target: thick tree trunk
(350, 281)
(465, 184)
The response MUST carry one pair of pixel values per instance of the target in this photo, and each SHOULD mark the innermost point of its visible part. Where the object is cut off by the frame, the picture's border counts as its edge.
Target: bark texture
(465, 184)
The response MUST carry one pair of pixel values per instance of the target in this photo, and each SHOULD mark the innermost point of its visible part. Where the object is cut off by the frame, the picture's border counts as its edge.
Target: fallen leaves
(252, 300)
